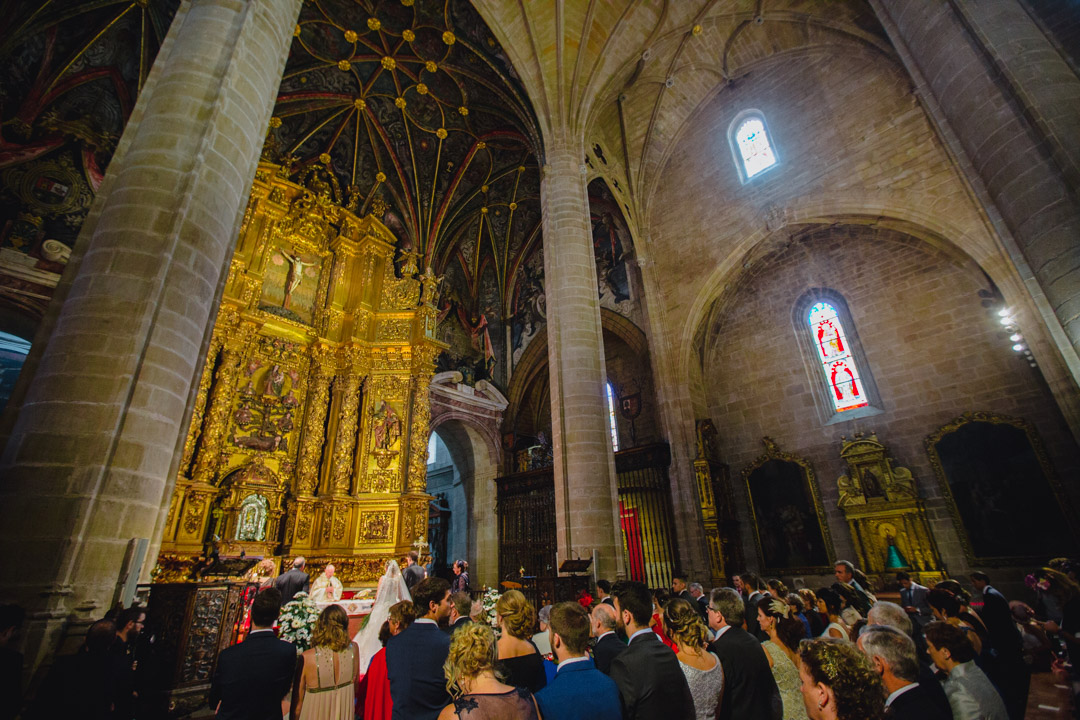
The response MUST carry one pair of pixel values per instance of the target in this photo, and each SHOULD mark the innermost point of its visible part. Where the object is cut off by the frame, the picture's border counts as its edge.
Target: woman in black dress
(520, 661)
(460, 583)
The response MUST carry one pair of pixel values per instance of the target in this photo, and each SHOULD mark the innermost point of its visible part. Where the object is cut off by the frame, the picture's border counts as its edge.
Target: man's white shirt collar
(721, 631)
(609, 632)
(426, 620)
(568, 661)
(897, 693)
(641, 632)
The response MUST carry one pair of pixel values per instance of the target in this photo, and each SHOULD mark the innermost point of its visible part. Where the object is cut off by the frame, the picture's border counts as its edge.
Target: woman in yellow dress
(326, 688)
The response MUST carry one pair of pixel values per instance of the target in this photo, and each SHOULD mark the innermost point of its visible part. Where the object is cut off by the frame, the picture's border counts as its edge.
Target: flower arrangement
(488, 600)
(297, 620)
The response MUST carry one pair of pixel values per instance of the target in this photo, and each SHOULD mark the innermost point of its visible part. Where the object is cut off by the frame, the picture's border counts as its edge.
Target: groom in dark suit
(415, 656)
(253, 677)
(651, 683)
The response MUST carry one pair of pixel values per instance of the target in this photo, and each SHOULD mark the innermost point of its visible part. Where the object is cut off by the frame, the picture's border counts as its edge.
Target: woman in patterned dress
(785, 633)
(704, 674)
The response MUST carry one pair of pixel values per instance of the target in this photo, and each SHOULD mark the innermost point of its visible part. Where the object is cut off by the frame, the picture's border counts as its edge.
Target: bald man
(608, 645)
(326, 588)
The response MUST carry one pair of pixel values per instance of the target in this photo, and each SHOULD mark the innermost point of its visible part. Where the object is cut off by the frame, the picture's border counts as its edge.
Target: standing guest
(846, 574)
(702, 669)
(578, 691)
(752, 584)
(892, 615)
(838, 682)
(750, 690)
(701, 601)
(849, 604)
(252, 678)
(892, 653)
(294, 581)
(830, 605)
(412, 573)
(736, 582)
(540, 639)
(375, 686)
(913, 598)
(1013, 674)
(776, 588)
(326, 587)
(608, 645)
(83, 685)
(785, 634)
(679, 588)
(460, 607)
(947, 608)
(325, 689)
(603, 592)
(415, 657)
(519, 659)
(810, 603)
(473, 686)
(11, 661)
(647, 673)
(971, 694)
(129, 625)
(798, 611)
(461, 577)
(660, 598)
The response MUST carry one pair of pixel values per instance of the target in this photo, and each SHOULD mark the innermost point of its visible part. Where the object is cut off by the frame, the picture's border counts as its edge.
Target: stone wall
(932, 347)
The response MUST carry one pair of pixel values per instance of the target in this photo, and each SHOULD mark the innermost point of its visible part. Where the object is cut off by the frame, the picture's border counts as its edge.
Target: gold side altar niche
(885, 514)
(310, 428)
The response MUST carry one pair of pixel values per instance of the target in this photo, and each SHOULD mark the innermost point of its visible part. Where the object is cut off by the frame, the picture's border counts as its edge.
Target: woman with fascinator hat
(838, 682)
(785, 632)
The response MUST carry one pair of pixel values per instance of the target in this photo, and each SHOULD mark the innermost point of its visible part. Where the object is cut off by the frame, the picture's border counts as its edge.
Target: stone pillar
(1008, 107)
(586, 504)
(91, 459)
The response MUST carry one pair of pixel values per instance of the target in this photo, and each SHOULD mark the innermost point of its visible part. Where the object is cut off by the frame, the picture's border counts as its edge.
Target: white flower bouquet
(488, 600)
(297, 621)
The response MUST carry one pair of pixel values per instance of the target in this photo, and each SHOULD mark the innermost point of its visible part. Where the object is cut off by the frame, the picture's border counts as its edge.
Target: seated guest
(415, 656)
(475, 690)
(971, 694)
(375, 687)
(326, 689)
(519, 660)
(838, 682)
(460, 607)
(578, 691)
(651, 685)
(326, 587)
(830, 605)
(608, 645)
(252, 678)
(892, 654)
(785, 634)
(749, 687)
(702, 669)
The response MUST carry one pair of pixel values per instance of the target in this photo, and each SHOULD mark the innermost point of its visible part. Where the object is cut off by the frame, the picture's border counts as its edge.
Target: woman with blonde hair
(702, 669)
(520, 661)
(325, 689)
(473, 683)
(838, 681)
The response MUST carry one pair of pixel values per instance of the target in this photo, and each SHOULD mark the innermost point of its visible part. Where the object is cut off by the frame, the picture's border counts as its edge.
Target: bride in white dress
(391, 591)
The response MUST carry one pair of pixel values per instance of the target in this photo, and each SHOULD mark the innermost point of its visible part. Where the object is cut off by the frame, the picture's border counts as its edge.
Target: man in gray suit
(913, 599)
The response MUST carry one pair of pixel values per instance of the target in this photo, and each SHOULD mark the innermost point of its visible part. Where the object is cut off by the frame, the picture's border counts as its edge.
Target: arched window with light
(750, 142)
(837, 366)
(611, 417)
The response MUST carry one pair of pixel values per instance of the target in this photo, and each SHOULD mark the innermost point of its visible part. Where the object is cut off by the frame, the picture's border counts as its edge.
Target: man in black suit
(460, 605)
(415, 656)
(647, 673)
(412, 573)
(752, 587)
(749, 687)
(893, 655)
(294, 581)
(603, 592)
(608, 645)
(1013, 674)
(252, 678)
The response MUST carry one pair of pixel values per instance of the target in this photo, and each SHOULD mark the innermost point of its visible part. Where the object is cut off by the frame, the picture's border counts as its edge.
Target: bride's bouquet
(297, 620)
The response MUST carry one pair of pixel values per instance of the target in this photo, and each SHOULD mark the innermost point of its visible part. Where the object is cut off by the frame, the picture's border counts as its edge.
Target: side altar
(310, 428)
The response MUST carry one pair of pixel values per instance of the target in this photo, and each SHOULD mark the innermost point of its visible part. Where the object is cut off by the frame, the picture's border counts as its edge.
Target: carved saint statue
(387, 427)
(274, 383)
(295, 275)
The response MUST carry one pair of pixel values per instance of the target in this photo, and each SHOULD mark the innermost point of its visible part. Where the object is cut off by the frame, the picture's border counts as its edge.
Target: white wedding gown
(392, 590)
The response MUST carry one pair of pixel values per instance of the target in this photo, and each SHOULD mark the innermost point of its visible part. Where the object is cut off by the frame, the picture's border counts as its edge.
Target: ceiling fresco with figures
(72, 72)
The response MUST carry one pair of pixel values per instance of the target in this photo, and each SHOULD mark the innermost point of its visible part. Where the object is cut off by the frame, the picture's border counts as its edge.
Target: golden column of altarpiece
(310, 429)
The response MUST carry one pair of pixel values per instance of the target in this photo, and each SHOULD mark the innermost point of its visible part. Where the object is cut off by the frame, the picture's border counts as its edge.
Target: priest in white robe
(326, 588)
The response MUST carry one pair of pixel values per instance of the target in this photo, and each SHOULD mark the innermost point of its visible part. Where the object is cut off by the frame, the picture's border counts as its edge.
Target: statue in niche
(296, 273)
(274, 384)
(387, 427)
(251, 521)
(871, 484)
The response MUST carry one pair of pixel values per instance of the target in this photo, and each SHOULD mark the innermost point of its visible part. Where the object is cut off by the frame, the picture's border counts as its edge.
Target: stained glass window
(611, 418)
(834, 353)
(754, 146)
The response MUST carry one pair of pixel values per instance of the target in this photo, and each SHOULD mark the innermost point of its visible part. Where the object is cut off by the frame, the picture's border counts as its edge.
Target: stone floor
(1049, 699)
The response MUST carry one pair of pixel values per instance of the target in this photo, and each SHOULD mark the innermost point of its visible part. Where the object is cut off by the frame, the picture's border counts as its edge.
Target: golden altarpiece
(310, 430)
(720, 527)
(885, 514)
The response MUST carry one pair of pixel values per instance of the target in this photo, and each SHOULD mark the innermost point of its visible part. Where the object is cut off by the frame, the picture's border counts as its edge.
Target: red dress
(376, 689)
(658, 628)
